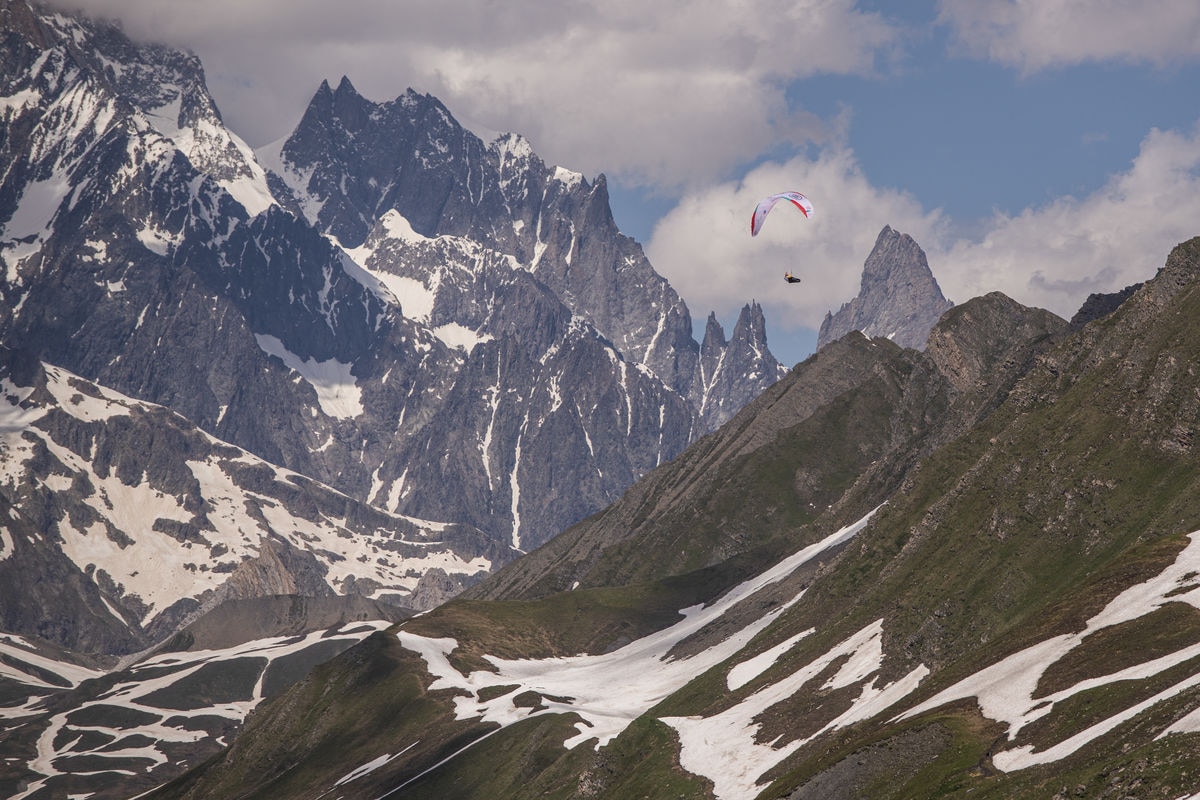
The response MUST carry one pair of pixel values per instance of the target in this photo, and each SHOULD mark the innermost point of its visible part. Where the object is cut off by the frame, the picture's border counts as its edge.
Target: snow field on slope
(415, 297)
(161, 569)
(171, 668)
(337, 391)
(15, 650)
(611, 690)
(1006, 690)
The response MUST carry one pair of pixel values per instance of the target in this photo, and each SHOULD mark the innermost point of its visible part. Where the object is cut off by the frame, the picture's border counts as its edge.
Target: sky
(1044, 149)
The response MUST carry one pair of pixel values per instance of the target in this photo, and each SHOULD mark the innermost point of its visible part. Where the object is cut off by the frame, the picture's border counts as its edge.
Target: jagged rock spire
(899, 298)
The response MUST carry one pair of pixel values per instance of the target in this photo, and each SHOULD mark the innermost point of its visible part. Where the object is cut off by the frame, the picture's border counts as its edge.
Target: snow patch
(36, 209)
(512, 146)
(7, 546)
(156, 240)
(460, 336)
(16, 649)
(567, 177)
(12, 105)
(724, 747)
(336, 389)
(1006, 690)
(82, 406)
(414, 298)
(371, 766)
(398, 227)
(609, 691)
(750, 669)
(251, 191)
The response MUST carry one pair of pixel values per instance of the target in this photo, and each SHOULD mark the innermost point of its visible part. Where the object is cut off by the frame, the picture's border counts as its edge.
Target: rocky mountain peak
(1101, 304)
(752, 323)
(731, 373)
(898, 298)
(714, 335)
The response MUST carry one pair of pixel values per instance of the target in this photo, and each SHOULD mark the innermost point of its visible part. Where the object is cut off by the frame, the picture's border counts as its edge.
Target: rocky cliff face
(355, 168)
(899, 298)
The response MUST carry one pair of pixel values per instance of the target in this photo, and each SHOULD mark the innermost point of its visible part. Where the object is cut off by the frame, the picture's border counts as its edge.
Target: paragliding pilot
(790, 278)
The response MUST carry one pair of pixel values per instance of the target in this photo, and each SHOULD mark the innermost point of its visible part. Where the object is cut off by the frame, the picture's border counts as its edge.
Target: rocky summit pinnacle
(898, 299)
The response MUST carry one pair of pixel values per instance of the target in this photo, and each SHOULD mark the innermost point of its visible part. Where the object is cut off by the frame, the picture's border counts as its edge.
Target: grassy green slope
(1083, 484)
(1024, 492)
(772, 481)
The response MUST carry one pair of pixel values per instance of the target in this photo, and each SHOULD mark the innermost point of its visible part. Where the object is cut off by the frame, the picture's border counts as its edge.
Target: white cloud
(1054, 33)
(668, 92)
(1051, 257)
(705, 250)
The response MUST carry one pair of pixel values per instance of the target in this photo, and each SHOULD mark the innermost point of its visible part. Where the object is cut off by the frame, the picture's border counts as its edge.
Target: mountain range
(428, 325)
(261, 407)
(260, 395)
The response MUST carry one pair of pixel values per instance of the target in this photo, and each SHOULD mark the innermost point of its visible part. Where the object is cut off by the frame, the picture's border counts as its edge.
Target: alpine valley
(259, 408)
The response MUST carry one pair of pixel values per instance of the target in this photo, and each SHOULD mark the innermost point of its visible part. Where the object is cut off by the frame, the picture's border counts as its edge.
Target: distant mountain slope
(840, 432)
(899, 298)
(124, 520)
(111, 735)
(1007, 607)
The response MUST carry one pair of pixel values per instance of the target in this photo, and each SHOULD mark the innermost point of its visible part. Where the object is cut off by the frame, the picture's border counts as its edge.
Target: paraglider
(767, 203)
(764, 207)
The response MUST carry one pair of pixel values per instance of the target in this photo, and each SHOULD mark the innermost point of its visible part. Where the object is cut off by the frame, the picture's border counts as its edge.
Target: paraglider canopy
(767, 203)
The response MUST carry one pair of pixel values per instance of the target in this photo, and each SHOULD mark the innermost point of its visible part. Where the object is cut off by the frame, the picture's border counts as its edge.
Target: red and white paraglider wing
(767, 203)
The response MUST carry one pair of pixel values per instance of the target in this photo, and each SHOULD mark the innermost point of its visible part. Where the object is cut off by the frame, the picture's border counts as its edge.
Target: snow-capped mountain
(357, 169)
(964, 572)
(443, 328)
(346, 376)
(126, 521)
